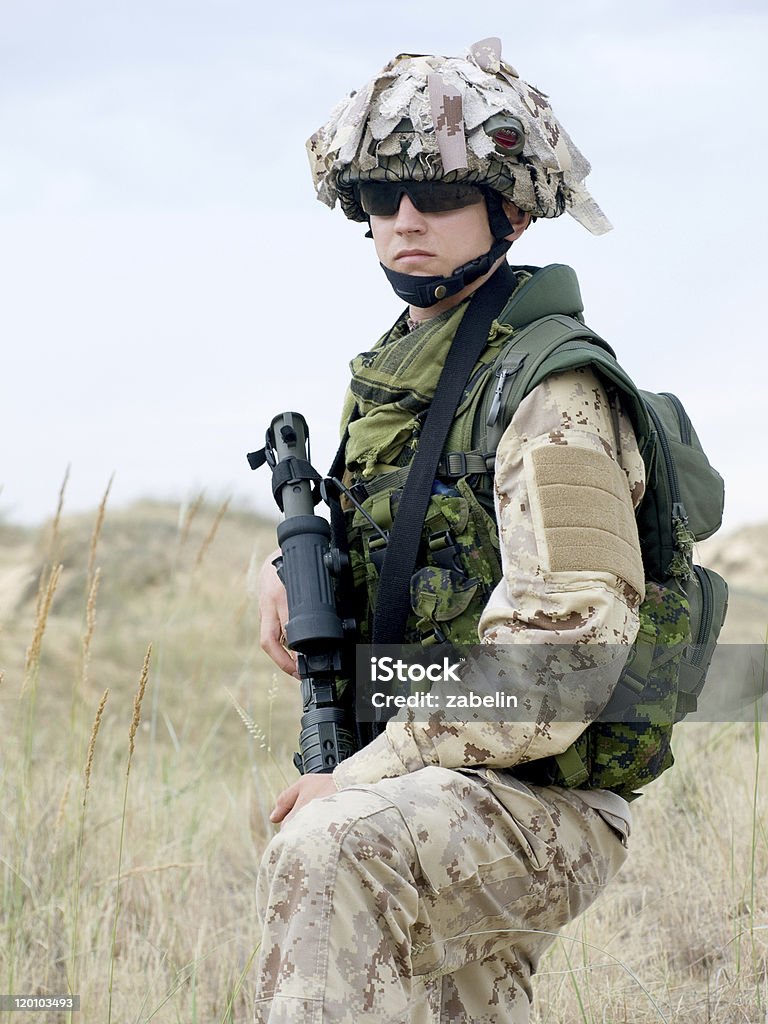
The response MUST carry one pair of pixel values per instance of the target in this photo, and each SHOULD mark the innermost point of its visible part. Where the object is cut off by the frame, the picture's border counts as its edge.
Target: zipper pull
(683, 536)
(680, 566)
(503, 373)
(679, 513)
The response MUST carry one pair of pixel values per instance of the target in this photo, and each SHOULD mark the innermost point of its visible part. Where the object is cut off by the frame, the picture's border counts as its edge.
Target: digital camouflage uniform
(429, 887)
(426, 890)
(425, 898)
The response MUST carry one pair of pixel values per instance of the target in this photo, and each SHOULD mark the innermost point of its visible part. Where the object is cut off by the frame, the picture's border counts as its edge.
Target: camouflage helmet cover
(427, 118)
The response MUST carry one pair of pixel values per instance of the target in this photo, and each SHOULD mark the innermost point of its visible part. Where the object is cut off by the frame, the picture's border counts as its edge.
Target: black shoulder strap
(393, 595)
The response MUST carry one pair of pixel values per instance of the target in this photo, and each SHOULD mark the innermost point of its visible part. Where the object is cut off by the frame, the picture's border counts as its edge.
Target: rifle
(309, 567)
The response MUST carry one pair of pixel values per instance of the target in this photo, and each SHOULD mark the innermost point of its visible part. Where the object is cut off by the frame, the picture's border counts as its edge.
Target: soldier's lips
(413, 256)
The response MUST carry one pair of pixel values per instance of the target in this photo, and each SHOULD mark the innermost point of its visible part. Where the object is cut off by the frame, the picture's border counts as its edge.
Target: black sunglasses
(382, 198)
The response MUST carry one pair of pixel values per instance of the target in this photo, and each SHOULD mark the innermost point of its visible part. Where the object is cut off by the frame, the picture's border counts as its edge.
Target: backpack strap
(552, 344)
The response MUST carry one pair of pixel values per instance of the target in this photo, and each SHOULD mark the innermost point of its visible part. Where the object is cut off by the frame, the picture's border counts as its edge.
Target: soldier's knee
(353, 822)
(334, 814)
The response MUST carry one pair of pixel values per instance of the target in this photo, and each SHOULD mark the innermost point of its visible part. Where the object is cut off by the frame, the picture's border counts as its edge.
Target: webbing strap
(574, 770)
(453, 465)
(293, 470)
(393, 596)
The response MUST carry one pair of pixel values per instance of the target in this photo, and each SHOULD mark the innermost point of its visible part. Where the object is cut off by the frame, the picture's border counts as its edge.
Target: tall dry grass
(682, 934)
(128, 856)
(135, 793)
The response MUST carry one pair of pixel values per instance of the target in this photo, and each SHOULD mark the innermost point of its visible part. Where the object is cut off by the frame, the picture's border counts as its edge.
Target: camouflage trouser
(424, 899)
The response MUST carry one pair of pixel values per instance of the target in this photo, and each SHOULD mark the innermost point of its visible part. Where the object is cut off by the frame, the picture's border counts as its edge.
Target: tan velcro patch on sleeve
(586, 512)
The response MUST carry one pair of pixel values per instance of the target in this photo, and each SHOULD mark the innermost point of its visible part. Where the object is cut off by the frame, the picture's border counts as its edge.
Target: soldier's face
(426, 244)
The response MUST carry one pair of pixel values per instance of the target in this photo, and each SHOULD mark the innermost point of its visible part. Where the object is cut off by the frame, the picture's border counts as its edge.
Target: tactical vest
(460, 564)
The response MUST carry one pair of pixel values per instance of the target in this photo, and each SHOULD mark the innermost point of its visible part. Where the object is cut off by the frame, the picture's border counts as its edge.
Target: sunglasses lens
(439, 197)
(382, 199)
(379, 199)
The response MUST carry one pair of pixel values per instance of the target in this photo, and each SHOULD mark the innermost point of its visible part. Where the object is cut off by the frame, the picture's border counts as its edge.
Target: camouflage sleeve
(560, 622)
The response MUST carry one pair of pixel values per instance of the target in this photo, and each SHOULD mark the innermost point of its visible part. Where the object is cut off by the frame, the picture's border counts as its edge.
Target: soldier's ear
(519, 219)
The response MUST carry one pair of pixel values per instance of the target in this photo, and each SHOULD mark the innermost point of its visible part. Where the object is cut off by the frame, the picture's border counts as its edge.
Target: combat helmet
(470, 120)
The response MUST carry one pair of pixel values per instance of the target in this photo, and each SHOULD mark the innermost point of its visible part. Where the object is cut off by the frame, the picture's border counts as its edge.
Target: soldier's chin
(416, 266)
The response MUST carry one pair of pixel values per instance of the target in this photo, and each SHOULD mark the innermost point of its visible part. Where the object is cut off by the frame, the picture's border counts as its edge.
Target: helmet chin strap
(426, 291)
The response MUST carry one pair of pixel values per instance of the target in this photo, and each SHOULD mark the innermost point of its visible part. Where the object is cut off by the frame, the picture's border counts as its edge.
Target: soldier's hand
(309, 787)
(273, 615)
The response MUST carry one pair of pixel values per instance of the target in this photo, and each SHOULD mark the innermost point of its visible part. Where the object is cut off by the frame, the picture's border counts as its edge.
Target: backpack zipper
(678, 508)
(480, 372)
(682, 416)
(707, 611)
(683, 539)
(502, 373)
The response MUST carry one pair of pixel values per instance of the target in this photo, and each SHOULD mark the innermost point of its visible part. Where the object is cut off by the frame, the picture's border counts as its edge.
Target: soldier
(423, 879)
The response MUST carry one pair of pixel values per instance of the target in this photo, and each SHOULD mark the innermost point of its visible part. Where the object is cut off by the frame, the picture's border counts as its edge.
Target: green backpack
(685, 604)
(684, 607)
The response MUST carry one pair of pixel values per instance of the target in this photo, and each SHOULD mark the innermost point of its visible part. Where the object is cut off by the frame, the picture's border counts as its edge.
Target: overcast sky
(170, 283)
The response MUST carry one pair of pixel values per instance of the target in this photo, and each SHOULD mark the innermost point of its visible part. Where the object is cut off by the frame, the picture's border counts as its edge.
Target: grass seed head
(137, 704)
(92, 741)
(97, 533)
(44, 601)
